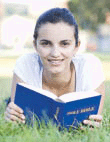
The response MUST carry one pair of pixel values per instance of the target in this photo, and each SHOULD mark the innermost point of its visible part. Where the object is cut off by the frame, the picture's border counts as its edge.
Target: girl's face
(56, 46)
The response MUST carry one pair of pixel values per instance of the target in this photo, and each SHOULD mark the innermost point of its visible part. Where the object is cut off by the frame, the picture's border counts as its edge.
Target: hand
(14, 113)
(93, 121)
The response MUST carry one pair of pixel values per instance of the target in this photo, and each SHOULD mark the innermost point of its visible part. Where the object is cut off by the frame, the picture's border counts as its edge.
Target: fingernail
(21, 111)
(85, 121)
(23, 117)
(23, 122)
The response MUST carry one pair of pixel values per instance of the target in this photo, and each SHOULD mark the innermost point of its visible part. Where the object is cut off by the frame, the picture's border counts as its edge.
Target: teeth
(55, 60)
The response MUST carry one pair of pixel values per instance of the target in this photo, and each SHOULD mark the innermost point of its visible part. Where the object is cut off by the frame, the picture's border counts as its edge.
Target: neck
(58, 80)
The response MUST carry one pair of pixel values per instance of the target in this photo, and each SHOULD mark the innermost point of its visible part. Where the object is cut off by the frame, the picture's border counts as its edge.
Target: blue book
(68, 110)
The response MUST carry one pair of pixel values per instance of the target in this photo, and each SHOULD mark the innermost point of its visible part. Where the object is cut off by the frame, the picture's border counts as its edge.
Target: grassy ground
(12, 132)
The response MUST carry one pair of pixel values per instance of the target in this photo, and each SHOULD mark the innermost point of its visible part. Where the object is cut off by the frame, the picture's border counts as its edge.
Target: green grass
(10, 132)
(9, 57)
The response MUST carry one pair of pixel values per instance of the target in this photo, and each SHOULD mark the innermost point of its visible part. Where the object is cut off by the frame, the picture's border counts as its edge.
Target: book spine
(56, 112)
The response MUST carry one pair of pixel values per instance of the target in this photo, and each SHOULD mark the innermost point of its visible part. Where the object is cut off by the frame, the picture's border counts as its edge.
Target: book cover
(68, 110)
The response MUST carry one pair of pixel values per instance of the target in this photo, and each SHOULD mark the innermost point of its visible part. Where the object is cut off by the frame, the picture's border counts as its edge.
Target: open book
(67, 110)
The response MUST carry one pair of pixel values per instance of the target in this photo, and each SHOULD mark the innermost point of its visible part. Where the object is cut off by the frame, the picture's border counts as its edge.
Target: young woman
(55, 66)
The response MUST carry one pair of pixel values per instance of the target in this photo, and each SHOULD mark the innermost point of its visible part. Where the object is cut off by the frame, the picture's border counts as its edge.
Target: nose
(55, 52)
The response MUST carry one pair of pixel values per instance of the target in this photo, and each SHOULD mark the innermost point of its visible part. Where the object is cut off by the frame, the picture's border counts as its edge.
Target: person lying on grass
(56, 66)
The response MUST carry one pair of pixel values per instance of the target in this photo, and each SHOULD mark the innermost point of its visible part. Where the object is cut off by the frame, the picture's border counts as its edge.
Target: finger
(91, 123)
(82, 128)
(15, 107)
(97, 118)
(13, 112)
(13, 118)
(9, 120)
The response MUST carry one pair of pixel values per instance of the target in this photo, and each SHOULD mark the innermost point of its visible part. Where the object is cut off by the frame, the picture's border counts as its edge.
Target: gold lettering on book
(87, 109)
(81, 110)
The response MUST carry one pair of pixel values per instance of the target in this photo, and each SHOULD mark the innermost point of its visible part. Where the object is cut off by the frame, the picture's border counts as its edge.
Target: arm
(101, 90)
(97, 118)
(13, 112)
(15, 80)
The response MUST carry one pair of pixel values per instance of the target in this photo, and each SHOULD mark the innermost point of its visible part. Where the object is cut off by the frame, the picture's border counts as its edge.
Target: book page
(77, 96)
(64, 98)
(39, 90)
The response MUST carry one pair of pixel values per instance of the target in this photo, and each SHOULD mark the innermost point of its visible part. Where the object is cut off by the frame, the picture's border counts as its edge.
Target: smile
(55, 61)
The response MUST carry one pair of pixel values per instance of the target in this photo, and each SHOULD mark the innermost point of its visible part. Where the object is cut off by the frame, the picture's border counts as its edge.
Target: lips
(55, 61)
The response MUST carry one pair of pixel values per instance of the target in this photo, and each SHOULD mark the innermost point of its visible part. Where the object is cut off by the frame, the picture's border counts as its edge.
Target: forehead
(57, 31)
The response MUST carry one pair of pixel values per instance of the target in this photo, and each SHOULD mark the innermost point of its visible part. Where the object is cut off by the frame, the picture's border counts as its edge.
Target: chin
(56, 71)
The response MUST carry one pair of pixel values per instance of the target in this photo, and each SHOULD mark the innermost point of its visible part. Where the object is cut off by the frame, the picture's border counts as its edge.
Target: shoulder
(28, 62)
(27, 67)
(90, 71)
(86, 59)
(27, 57)
(88, 65)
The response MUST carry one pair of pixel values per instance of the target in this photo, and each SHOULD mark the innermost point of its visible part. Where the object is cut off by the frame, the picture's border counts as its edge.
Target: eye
(45, 43)
(65, 43)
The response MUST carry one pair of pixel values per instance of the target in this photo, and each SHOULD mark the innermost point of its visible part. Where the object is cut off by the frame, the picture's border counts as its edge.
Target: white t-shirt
(89, 73)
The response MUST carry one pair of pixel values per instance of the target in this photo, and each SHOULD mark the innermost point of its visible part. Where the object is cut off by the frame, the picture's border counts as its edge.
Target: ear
(34, 44)
(77, 47)
(79, 43)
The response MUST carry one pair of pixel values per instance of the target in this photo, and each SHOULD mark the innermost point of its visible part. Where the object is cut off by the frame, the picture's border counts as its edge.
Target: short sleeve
(93, 74)
(21, 67)
(28, 68)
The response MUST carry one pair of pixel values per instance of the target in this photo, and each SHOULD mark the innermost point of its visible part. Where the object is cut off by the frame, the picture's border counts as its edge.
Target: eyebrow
(66, 40)
(44, 40)
(60, 41)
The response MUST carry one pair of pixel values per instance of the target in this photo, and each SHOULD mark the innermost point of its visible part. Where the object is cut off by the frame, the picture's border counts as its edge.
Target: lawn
(10, 132)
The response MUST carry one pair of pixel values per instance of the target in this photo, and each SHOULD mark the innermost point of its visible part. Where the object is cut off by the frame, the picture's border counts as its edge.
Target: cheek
(69, 53)
(43, 54)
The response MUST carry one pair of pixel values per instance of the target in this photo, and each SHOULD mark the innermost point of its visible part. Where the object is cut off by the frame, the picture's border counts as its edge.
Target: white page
(77, 96)
(64, 98)
(41, 91)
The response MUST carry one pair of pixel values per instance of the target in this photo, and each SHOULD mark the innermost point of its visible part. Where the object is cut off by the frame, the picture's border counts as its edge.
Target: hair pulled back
(56, 15)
